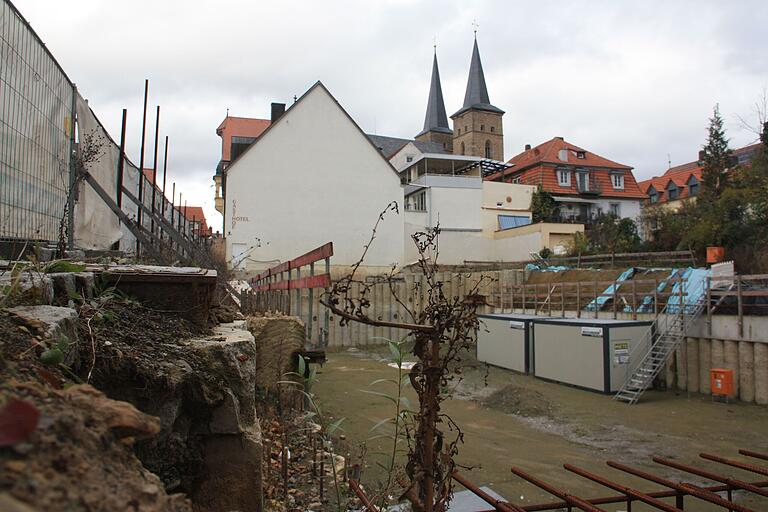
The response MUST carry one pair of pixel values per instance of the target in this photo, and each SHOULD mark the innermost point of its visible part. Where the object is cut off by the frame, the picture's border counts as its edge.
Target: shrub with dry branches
(441, 330)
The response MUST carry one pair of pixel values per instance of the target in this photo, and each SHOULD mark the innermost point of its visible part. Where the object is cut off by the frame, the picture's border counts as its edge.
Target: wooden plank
(322, 252)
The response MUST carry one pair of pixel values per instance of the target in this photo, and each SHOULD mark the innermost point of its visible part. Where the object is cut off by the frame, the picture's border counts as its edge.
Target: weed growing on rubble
(302, 381)
(441, 329)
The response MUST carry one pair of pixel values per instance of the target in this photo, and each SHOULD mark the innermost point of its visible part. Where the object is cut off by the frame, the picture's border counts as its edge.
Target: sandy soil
(514, 420)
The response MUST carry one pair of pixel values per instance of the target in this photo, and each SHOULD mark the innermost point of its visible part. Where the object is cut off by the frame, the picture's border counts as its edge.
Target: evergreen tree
(543, 206)
(717, 159)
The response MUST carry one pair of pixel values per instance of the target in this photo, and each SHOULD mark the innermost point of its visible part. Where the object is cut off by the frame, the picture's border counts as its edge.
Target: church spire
(435, 119)
(476, 96)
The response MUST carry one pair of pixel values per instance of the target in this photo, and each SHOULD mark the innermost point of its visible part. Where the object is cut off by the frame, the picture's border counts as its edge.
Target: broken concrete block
(226, 418)
(63, 286)
(48, 322)
(28, 287)
(85, 283)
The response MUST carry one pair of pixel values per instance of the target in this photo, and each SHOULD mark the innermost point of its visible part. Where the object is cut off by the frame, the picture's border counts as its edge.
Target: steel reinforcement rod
(754, 454)
(630, 492)
(736, 484)
(501, 506)
(682, 489)
(361, 494)
(760, 470)
(570, 499)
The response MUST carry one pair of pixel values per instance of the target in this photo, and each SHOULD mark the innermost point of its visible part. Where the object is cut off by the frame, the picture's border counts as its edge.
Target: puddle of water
(583, 429)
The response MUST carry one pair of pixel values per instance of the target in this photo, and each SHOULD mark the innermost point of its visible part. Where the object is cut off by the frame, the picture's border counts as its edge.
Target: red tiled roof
(548, 152)
(680, 174)
(537, 166)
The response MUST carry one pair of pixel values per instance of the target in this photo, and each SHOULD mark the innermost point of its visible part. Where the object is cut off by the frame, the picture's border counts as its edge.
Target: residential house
(683, 182)
(311, 177)
(584, 184)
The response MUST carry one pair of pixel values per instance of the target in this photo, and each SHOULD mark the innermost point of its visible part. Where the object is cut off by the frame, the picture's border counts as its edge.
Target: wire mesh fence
(36, 133)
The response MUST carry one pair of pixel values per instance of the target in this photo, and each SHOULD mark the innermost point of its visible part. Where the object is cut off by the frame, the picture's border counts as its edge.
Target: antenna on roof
(475, 26)
(227, 112)
(669, 161)
(434, 43)
(294, 98)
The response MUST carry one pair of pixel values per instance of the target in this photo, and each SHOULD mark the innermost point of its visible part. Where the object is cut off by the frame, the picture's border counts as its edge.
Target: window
(516, 180)
(492, 130)
(466, 129)
(583, 181)
(459, 131)
(673, 192)
(581, 155)
(462, 148)
(564, 177)
(409, 159)
(487, 149)
(653, 195)
(617, 179)
(693, 186)
(417, 202)
(482, 127)
(616, 209)
(512, 221)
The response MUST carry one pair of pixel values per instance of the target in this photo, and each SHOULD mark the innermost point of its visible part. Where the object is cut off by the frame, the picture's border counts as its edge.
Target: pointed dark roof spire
(435, 119)
(476, 96)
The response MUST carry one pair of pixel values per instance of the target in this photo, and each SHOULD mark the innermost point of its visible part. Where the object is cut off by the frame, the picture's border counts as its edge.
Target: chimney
(527, 147)
(278, 109)
(701, 155)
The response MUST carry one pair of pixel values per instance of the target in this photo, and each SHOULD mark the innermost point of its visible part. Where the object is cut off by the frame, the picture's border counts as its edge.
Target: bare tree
(441, 330)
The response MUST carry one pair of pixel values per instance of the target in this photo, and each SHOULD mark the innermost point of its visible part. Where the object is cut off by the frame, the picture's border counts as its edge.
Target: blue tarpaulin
(598, 303)
(694, 289)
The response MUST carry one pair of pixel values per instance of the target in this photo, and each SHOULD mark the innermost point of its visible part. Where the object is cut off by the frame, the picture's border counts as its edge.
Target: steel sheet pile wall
(35, 133)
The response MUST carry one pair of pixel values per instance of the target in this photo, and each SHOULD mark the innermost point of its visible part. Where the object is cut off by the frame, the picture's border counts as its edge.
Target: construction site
(450, 349)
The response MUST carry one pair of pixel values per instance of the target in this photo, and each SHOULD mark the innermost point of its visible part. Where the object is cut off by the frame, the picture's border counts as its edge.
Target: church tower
(477, 126)
(436, 127)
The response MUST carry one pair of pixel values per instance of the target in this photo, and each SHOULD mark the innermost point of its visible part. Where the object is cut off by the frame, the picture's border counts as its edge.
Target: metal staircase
(659, 342)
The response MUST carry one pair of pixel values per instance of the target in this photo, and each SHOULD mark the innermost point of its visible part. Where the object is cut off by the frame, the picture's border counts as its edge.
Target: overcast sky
(631, 81)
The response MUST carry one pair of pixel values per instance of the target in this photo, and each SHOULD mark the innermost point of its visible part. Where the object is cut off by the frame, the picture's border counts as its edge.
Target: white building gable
(312, 177)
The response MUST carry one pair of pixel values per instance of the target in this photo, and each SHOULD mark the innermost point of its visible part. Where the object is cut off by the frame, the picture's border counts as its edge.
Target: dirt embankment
(70, 448)
(173, 427)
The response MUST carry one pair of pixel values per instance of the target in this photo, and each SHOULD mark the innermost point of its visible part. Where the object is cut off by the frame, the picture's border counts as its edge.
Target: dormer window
(581, 155)
(564, 177)
(653, 195)
(693, 186)
(409, 159)
(673, 192)
(617, 180)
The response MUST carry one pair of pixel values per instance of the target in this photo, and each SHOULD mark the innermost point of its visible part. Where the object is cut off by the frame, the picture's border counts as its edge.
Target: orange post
(721, 381)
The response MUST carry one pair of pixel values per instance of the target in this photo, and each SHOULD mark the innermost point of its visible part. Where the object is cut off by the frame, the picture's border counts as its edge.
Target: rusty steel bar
(608, 500)
(703, 493)
(630, 492)
(360, 494)
(737, 484)
(499, 505)
(568, 498)
(735, 463)
(756, 455)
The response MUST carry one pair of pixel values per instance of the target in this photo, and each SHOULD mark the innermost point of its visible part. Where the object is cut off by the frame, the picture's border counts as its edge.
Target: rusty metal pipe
(756, 455)
(735, 463)
(703, 493)
(634, 493)
(355, 486)
(737, 484)
(499, 505)
(568, 498)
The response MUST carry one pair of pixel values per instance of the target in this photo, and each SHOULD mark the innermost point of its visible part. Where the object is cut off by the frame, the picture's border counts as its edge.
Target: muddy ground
(515, 420)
